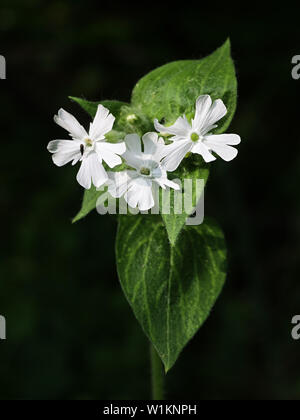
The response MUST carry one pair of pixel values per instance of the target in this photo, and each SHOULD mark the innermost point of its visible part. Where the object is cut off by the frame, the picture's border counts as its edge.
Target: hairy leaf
(90, 107)
(89, 202)
(174, 223)
(171, 90)
(170, 289)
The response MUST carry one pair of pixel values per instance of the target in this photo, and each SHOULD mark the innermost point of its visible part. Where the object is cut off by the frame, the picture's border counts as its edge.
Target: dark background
(70, 331)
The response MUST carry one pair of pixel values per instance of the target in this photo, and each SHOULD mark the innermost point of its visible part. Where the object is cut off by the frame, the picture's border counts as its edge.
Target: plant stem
(158, 375)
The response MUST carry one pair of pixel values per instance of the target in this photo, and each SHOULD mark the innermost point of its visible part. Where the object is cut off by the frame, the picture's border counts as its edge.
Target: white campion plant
(170, 273)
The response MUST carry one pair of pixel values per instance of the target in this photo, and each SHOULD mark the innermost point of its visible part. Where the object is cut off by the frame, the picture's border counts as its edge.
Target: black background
(70, 331)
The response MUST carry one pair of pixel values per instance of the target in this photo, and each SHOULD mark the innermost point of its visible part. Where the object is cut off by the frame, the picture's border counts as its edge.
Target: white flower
(195, 137)
(136, 185)
(88, 148)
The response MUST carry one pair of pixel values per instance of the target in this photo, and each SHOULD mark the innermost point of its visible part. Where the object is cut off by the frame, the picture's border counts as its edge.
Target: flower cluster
(149, 165)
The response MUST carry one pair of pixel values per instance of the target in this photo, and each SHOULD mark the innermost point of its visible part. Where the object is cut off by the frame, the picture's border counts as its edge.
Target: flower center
(145, 171)
(194, 137)
(88, 142)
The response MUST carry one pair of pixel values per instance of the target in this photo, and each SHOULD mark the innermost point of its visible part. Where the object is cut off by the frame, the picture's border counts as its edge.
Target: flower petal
(146, 200)
(165, 182)
(133, 143)
(154, 147)
(64, 151)
(180, 128)
(150, 141)
(174, 153)
(230, 139)
(102, 124)
(225, 152)
(216, 112)
(203, 104)
(91, 170)
(110, 152)
(133, 155)
(221, 144)
(118, 182)
(70, 123)
(139, 194)
(203, 150)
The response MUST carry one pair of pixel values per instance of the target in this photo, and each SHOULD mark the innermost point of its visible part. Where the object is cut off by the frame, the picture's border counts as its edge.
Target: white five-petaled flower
(195, 137)
(137, 185)
(88, 148)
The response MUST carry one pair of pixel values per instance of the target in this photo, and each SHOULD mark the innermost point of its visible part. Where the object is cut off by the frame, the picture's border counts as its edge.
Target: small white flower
(195, 137)
(88, 148)
(136, 185)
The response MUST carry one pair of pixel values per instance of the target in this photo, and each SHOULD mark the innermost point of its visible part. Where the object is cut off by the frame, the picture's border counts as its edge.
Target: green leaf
(89, 202)
(174, 223)
(171, 90)
(90, 107)
(128, 119)
(170, 289)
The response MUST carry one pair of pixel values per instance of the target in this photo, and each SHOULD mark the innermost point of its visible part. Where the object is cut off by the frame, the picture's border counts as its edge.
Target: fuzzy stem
(158, 375)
